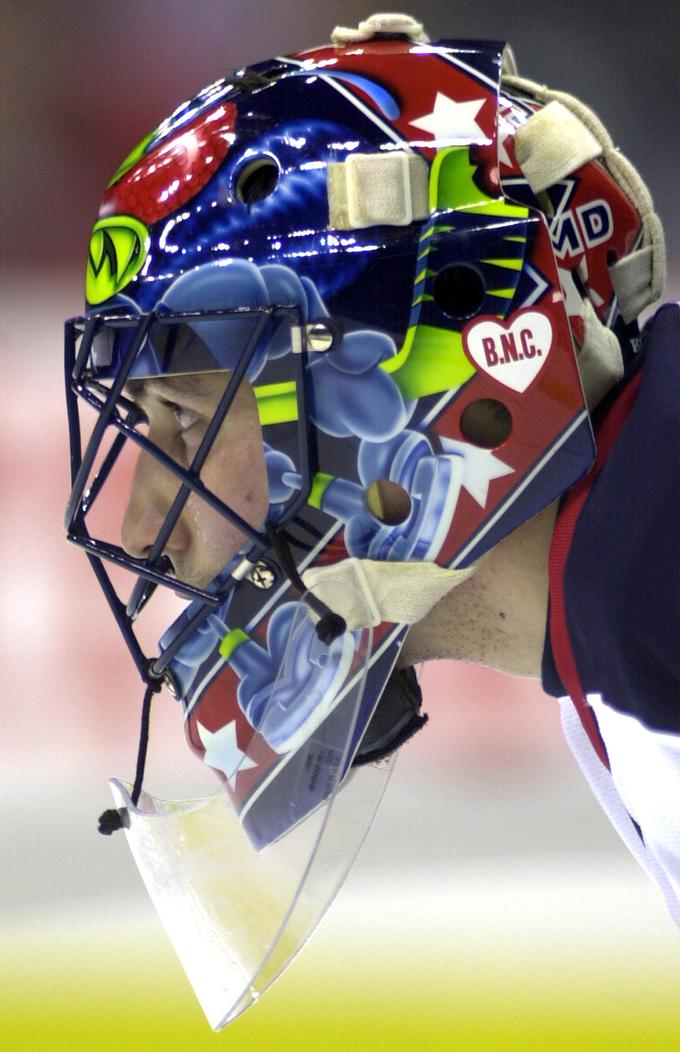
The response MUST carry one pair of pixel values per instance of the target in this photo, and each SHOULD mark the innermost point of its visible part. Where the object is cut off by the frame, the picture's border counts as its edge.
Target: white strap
(377, 188)
(638, 279)
(388, 22)
(367, 592)
(599, 358)
(552, 143)
(546, 95)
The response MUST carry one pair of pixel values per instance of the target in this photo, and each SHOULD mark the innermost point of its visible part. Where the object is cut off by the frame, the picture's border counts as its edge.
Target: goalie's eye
(186, 418)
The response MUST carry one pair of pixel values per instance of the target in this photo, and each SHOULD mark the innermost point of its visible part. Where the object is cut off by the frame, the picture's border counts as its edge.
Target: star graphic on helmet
(222, 751)
(454, 121)
(480, 468)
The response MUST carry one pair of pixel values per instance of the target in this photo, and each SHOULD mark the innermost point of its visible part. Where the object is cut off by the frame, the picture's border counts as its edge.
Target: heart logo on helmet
(512, 354)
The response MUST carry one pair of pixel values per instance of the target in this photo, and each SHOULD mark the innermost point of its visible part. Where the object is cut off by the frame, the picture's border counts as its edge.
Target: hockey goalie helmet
(373, 249)
(335, 302)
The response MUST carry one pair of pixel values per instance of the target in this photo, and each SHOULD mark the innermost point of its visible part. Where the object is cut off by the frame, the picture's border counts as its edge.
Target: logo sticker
(118, 247)
(512, 354)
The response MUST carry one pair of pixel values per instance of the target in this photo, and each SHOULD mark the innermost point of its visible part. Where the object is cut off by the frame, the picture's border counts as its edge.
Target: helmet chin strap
(330, 624)
(402, 593)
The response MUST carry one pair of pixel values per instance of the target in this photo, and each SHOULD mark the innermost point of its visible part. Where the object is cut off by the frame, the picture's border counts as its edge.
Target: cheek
(236, 473)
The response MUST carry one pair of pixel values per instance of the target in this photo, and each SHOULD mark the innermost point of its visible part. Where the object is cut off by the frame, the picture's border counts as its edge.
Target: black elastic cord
(330, 625)
(117, 818)
(144, 589)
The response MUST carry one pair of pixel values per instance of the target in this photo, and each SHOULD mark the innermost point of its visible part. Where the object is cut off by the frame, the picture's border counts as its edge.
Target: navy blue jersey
(613, 645)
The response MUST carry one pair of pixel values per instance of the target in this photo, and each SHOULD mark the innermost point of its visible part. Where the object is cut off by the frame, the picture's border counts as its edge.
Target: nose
(153, 491)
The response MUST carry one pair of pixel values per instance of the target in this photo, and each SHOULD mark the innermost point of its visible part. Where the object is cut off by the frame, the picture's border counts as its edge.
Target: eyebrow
(192, 384)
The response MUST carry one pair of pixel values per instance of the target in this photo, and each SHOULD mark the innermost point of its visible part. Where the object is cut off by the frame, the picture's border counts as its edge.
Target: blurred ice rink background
(493, 906)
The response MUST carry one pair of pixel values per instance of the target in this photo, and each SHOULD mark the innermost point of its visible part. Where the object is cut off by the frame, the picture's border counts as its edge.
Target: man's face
(179, 409)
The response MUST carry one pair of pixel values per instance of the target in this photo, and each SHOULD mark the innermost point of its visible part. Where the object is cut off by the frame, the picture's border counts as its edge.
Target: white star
(222, 751)
(453, 121)
(480, 468)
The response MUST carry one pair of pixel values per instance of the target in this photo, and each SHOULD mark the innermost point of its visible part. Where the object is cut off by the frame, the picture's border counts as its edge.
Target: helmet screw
(320, 336)
(262, 575)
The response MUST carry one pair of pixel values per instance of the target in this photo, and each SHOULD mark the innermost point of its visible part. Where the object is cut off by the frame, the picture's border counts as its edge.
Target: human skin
(496, 617)
(178, 410)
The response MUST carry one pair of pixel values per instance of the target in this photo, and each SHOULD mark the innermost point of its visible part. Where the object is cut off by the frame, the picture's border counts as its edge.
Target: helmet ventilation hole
(458, 291)
(257, 180)
(486, 423)
(388, 502)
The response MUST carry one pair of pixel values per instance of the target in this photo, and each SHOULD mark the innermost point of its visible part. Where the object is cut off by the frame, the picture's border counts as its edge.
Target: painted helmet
(409, 262)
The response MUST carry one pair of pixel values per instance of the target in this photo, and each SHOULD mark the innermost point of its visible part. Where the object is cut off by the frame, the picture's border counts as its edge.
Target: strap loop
(567, 129)
(600, 361)
(553, 143)
(386, 24)
(638, 279)
(374, 189)
(401, 593)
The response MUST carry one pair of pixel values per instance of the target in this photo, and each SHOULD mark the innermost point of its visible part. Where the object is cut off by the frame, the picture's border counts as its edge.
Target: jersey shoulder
(621, 576)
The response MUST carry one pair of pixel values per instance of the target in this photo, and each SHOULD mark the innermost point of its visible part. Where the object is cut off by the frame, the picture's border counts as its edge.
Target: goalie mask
(336, 302)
